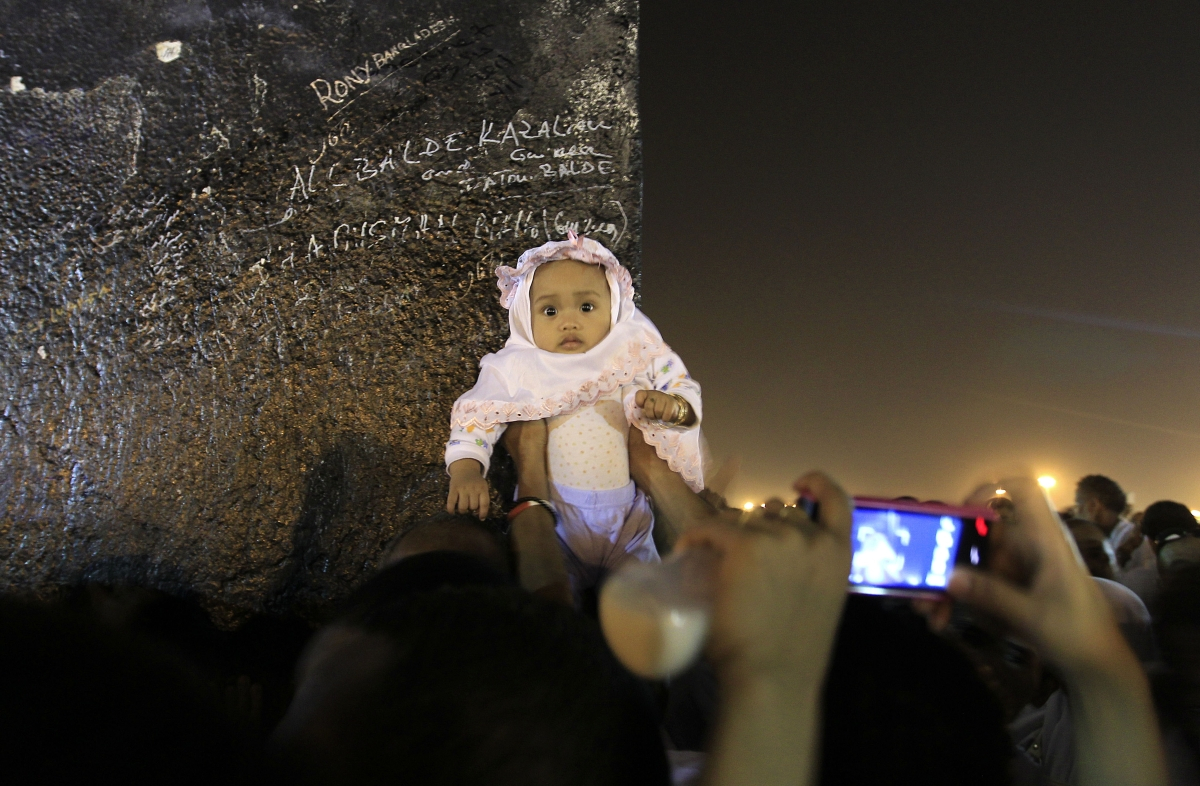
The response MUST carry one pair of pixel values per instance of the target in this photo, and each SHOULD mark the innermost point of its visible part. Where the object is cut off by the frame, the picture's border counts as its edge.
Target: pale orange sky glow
(933, 245)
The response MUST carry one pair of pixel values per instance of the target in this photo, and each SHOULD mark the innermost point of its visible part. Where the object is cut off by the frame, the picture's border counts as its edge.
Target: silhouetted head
(1178, 554)
(904, 706)
(1132, 617)
(449, 532)
(1099, 500)
(1166, 520)
(467, 685)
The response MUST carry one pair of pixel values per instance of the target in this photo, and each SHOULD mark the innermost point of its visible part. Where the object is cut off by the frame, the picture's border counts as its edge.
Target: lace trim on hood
(581, 249)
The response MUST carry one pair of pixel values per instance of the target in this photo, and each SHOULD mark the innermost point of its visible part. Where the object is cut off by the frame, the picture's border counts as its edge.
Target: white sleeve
(669, 375)
(682, 447)
(473, 443)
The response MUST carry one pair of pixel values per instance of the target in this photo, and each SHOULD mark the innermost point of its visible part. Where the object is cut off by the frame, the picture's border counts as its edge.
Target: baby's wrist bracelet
(525, 503)
(682, 412)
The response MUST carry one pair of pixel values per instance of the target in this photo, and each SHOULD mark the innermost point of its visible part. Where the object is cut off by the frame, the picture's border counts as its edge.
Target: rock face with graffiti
(247, 255)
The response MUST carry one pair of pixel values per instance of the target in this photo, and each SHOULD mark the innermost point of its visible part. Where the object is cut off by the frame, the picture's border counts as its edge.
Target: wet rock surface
(246, 254)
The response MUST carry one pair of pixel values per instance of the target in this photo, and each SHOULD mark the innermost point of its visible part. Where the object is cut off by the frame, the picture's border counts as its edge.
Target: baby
(582, 356)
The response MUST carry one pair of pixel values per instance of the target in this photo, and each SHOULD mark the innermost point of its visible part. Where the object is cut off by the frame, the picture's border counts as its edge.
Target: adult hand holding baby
(539, 560)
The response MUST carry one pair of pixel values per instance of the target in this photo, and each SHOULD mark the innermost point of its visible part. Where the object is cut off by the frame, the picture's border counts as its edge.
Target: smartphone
(910, 548)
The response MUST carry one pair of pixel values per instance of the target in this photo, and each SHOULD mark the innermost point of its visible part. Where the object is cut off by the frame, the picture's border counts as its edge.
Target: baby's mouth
(571, 342)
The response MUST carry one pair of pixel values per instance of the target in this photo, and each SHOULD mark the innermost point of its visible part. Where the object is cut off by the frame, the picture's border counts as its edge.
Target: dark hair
(455, 531)
(490, 685)
(1165, 518)
(904, 706)
(1103, 490)
(379, 596)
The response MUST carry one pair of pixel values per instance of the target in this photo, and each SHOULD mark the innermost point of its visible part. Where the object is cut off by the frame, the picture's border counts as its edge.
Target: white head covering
(524, 382)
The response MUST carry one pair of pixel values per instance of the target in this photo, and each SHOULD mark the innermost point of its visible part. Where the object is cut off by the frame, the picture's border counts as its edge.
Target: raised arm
(1062, 612)
(780, 590)
(678, 508)
(540, 566)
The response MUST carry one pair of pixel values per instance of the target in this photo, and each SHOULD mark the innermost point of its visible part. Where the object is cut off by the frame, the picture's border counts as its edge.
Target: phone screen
(909, 552)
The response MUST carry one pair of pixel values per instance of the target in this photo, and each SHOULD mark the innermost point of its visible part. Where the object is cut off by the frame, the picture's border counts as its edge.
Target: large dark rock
(247, 252)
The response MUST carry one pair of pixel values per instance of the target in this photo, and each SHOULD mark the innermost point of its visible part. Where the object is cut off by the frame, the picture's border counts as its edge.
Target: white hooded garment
(524, 382)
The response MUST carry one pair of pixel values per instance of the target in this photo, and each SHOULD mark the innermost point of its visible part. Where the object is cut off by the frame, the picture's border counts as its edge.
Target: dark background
(917, 244)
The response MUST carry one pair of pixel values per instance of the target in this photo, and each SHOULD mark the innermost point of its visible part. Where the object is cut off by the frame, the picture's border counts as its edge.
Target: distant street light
(1000, 492)
(1047, 482)
(748, 506)
(1196, 514)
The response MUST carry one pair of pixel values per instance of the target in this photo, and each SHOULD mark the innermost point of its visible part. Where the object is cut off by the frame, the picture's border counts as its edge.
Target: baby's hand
(468, 489)
(656, 405)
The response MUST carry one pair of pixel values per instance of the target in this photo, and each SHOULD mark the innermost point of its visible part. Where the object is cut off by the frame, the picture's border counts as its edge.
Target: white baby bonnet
(523, 382)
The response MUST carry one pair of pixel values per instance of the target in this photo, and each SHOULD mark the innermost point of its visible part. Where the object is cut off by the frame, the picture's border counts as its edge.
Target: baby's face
(571, 307)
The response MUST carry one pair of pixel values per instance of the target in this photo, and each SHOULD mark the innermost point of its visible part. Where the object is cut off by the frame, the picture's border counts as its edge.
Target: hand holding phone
(1058, 608)
(1061, 611)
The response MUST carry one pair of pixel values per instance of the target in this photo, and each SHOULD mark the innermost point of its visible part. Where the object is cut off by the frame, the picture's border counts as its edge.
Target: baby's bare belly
(589, 448)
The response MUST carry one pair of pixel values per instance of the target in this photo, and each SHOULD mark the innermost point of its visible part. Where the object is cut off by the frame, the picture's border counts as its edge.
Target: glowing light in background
(1196, 514)
(1047, 482)
(1000, 492)
(748, 506)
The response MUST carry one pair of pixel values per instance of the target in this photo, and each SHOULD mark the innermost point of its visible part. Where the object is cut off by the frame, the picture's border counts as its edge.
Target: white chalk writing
(536, 224)
(391, 53)
(452, 158)
(336, 91)
(545, 130)
(339, 90)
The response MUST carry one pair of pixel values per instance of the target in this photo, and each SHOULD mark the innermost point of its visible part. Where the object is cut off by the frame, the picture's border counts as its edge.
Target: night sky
(921, 244)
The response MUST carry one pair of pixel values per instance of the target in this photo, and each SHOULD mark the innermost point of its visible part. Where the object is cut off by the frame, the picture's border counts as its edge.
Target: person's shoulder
(1121, 531)
(1126, 603)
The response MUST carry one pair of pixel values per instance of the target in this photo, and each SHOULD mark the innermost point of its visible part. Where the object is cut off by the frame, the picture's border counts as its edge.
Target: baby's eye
(550, 311)
(586, 307)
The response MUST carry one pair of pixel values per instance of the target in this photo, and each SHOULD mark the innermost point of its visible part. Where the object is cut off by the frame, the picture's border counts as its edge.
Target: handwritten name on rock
(337, 90)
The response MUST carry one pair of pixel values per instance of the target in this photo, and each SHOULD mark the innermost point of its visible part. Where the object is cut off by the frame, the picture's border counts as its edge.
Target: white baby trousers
(599, 530)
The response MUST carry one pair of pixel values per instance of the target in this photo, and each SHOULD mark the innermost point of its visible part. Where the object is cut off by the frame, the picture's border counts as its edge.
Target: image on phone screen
(905, 550)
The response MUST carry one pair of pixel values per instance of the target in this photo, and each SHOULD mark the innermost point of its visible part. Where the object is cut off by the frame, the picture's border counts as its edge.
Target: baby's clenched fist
(657, 406)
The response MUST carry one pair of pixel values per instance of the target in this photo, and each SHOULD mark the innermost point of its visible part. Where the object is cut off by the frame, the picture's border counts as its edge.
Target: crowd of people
(467, 659)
